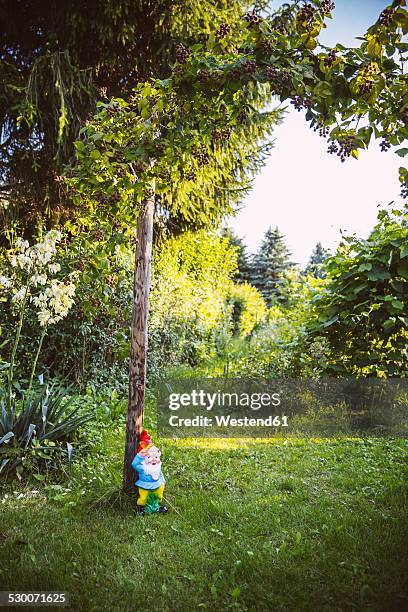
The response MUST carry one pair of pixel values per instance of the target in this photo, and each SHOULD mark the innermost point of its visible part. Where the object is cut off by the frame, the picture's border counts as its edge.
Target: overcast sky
(309, 194)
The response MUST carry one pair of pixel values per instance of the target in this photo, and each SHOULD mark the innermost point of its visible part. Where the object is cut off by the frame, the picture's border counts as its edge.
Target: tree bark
(138, 347)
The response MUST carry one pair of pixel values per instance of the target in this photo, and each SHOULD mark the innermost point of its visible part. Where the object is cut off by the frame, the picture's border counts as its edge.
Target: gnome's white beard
(152, 470)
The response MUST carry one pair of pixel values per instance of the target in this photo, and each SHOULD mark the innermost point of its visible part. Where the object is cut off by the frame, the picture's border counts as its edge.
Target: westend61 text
(228, 421)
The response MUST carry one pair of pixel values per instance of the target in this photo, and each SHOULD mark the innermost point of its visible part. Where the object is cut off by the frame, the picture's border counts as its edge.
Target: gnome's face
(152, 462)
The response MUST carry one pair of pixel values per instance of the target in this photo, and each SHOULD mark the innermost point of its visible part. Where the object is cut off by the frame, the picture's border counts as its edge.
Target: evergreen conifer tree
(316, 261)
(269, 265)
(243, 274)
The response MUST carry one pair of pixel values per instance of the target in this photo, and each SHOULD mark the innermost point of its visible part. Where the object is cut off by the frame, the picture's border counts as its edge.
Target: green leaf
(388, 324)
(375, 275)
(365, 134)
(374, 46)
(331, 321)
(5, 439)
(365, 266)
(399, 286)
(404, 251)
(402, 152)
(235, 593)
(323, 89)
(402, 269)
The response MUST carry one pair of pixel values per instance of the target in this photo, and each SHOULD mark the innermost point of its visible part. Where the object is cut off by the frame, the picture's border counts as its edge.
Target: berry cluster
(366, 86)
(278, 26)
(278, 79)
(404, 191)
(330, 59)
(328, 6)
(178, 70)
(182, 53)
(385, 145)
(223, 30)
(385, 19)
(271, 73)
(266, 46)
(242, 117)
(404, 115)
(249, 67)
(103, 92)
(111, 281)
(343, 148)
(221, 135)
(205, 76)
(190, 175)
(367, 79)
(81, 265)
(332, 148)
(235, 74)
(102, 198)
(299, 103)
(160, 147)
(321, 128)
(201, 155)
(113, 110)
(253, 18)
(140, 167)
(96, 302)
(306, 13)
(99, 235)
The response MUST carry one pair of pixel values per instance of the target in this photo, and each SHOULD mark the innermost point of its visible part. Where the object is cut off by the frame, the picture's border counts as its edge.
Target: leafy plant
(31, 283)
(191, 281)
(37, 428)
(363, 310)
(248, 308)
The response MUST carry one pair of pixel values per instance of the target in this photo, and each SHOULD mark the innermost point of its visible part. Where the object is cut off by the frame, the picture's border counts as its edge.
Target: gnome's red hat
(145, 441)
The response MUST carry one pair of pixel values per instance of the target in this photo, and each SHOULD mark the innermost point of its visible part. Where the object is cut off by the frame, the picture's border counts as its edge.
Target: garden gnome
(151, 481)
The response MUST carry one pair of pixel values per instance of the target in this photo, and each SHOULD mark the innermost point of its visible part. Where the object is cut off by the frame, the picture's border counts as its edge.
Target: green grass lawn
(254, 525)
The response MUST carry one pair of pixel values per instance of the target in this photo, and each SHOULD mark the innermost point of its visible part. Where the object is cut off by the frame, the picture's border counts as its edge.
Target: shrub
(248, 308)
(36, 430)
(280, 345)
(34, 291)
(363, 311)
(190, 283)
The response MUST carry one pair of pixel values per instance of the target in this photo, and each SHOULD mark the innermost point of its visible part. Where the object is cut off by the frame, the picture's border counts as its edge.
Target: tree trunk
(138, 348)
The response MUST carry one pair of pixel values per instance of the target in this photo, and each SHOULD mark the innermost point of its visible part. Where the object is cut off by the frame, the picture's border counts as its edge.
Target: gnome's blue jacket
(146, 481)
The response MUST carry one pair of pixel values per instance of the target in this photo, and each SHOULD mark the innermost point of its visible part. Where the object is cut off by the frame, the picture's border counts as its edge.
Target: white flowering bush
(36, 425)
(31, 282)
(33, 279)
